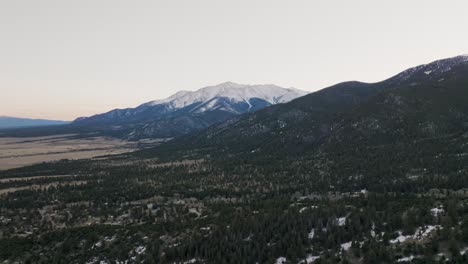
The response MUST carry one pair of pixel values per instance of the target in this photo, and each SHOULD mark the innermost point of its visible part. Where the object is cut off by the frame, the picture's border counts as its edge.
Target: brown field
(18, 152)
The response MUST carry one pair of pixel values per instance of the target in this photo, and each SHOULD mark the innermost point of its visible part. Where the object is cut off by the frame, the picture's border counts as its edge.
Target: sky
(62, 59)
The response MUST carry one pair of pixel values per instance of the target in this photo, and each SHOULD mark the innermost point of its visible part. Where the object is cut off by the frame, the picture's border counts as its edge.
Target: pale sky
(63, 59)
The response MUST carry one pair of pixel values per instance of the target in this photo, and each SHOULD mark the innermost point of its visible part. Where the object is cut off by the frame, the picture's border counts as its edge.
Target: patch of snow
(442, 254)
(399, 239)
(281, 260)
(174, 245)
(437, 211)
(208, 106)
(309, 259)
(93, 260)
(194, 211)
(190, 261)
(463, 251)
(109, 239)
(140, 250)
(427, 72)
(425, 231)
(421, 233)
(346, 246)
(98, 244)
(341, 221)
(406, 259)
(305, 208)
(311, 234)
(248, 102)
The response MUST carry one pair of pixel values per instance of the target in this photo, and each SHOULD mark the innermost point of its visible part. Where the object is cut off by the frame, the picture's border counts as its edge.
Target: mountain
(15, 122)
(423, 102)
(189, 111)
(355, 173)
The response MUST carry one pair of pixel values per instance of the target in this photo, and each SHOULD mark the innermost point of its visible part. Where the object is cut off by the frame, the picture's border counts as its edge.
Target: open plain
(18, 152)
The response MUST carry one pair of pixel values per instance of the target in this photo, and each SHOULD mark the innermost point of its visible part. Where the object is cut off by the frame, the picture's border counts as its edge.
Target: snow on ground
(437, 211)
(281, 260)
(95, 260)
(400, 238)
(421, 233)
(442, 254)
(195, 211)
(310, 259)
(311, 234)
(140, 250)
(98, 244)
(305, 208)
(109, 239)
(372, 232)
(406, 259)
(235, 92)
(463, 251)
(346, 246)
(190, 261)
(341, 221)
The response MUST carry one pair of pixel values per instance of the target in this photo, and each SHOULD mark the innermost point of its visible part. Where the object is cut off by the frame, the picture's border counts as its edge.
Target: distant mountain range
(420, 104)
(427, 101)
(188, 111)
(15, 122)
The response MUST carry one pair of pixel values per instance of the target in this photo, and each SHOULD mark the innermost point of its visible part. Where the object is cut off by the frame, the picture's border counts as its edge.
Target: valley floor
(18, 152)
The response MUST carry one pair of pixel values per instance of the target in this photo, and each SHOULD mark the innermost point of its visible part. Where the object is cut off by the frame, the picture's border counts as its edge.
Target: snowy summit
(233, 92)
(188, 111)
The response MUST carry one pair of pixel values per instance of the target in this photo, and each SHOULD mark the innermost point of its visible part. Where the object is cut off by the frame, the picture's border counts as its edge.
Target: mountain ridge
(188, 111)
(308, 121)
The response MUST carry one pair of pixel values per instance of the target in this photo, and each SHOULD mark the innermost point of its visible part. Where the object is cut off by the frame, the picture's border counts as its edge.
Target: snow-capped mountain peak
(233, 92)
(189, 111)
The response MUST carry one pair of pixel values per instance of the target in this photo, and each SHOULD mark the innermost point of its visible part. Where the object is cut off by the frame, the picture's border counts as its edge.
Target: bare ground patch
(32, 178)
(40, 186)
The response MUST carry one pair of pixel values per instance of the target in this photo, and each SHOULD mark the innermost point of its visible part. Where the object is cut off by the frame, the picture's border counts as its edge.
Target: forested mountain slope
(423, 102)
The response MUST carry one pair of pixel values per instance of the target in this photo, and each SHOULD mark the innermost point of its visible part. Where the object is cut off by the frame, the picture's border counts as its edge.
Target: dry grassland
(18, 152)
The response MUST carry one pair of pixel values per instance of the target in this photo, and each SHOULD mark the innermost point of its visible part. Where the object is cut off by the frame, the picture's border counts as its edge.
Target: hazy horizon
(66, 59)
